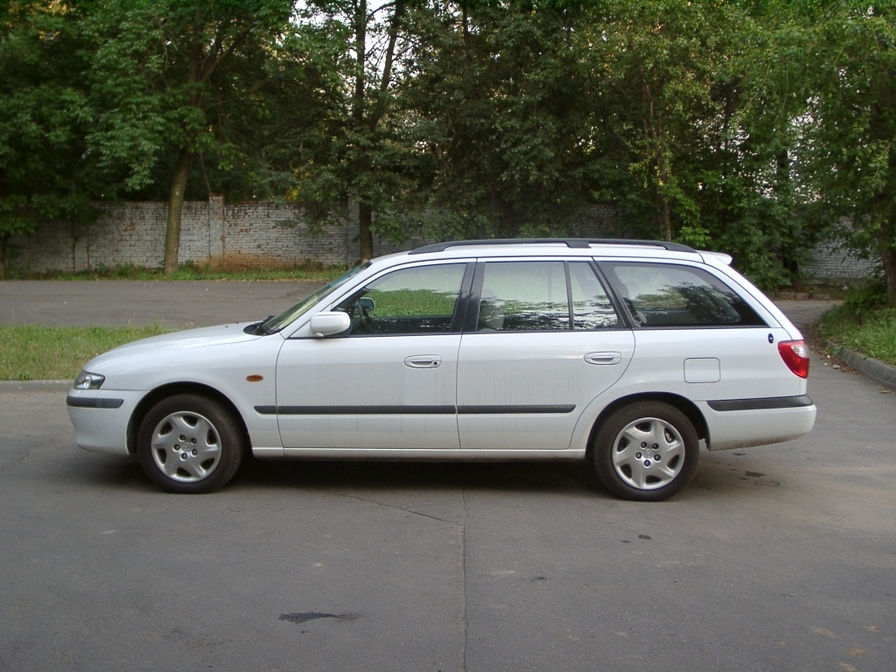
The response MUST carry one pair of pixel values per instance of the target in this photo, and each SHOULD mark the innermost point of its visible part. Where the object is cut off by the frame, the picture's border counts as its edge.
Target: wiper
(259, 328)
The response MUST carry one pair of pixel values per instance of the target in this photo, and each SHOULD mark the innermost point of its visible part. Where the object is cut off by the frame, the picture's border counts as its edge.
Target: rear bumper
(738, 423)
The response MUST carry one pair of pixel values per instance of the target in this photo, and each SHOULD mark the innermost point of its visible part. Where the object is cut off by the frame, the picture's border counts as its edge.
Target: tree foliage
(364, 149)
(848, 152)
(156, 78)
(752, 127)
(44, 172)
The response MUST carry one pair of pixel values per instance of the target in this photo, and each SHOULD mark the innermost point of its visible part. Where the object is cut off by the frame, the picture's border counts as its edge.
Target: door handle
(423, 362)
(603, 358)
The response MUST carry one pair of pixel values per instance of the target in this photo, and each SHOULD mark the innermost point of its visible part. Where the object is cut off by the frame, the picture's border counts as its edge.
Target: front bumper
(101, 418)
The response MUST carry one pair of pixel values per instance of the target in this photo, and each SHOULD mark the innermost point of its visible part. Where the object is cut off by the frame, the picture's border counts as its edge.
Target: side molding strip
(765, 403)
(414, 410)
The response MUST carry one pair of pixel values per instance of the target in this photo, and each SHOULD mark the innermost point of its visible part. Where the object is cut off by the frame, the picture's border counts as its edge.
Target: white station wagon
(628, 354)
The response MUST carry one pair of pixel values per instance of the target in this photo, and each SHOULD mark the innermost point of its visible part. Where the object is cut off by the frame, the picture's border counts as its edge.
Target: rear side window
(543, 296)
(669, 295)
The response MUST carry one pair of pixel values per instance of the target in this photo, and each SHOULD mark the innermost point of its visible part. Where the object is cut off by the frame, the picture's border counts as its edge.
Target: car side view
(632, 355)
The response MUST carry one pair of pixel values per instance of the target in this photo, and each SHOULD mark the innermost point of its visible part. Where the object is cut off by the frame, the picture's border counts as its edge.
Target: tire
(646, 451)
(190, 444)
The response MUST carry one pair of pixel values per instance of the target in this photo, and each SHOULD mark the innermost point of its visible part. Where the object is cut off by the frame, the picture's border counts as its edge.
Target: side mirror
(328, 324)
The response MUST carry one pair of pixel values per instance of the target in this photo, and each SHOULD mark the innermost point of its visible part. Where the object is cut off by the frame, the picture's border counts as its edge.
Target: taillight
(796, 356)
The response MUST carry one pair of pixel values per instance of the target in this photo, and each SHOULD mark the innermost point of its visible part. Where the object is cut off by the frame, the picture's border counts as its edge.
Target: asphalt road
(176, 304)
(774, 558)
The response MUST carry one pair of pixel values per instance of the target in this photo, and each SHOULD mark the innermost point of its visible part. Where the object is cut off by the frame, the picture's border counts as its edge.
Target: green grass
(30, 352)
(871, 332)
(865, 323)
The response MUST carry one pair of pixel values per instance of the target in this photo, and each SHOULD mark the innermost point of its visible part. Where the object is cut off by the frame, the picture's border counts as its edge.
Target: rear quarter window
(672, 295)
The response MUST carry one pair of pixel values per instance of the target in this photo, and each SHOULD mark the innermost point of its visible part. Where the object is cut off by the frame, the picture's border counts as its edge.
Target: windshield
(277, 322)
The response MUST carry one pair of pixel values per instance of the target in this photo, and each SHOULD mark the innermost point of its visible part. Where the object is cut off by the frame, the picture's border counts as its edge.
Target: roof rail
(575, 243)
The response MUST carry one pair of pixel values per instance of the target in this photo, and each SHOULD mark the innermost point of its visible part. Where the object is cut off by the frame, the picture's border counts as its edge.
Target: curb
(873, 368)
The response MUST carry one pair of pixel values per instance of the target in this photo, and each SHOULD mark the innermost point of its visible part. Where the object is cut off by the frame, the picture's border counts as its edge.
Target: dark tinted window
(667, 295)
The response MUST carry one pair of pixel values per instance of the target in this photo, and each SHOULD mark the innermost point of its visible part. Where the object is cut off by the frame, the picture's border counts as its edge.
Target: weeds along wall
(264, 235)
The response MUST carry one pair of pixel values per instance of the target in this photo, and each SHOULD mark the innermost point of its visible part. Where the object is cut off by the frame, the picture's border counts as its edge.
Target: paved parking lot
(178, 304)
(775, 558)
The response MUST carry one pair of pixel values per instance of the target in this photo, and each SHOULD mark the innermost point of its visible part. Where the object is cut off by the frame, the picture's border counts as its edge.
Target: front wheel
(646, 451)
(189, 444)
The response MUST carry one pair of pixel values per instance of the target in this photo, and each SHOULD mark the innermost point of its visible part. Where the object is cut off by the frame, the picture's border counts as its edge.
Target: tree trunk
(4, 239)
(175, 209)
(888, 257)
(365, 231)
(889, 261)
(653, 135)
(366, 114)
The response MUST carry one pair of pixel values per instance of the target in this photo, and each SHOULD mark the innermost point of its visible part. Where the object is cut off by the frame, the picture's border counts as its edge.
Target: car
(630, 355)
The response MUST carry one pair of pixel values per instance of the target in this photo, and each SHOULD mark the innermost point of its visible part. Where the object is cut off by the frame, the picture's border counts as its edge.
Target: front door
(388, 383)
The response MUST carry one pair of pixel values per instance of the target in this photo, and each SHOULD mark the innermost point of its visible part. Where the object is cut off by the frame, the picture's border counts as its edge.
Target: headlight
(89, 381)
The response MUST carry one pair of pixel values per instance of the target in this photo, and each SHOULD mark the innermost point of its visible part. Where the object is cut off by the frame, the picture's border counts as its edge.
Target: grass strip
(33, 352)
(871, 332)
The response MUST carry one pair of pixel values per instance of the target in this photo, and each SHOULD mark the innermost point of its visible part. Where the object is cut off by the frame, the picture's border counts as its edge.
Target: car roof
(572, 243)
(532, 247)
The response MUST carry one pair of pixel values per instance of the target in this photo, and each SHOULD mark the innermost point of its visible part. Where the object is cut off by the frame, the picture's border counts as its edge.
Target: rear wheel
(190, 444)
(646, 451)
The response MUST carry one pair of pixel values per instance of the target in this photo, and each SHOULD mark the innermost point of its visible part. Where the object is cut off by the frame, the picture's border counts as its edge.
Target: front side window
(418, 300)
(542, 296)
(667, 295)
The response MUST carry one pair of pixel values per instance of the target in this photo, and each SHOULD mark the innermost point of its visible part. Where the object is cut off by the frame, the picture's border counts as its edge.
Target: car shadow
(730, 474)
(716, 476)
(546, 477)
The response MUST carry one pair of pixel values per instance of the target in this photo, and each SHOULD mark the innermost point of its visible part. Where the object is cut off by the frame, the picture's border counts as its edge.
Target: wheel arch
(683, 404)
(171, 389)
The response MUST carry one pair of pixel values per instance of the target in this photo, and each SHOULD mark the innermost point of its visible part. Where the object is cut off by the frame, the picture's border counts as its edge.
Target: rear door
(544, 343)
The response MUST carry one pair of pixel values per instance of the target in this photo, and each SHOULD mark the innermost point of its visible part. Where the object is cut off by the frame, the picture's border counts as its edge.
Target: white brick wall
(832, 262)
(254, 235)
(242, 235)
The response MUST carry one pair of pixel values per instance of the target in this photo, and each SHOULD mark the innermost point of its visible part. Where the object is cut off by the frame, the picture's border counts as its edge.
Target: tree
(365, 154)
(498, 88)
(44, 172)
(848, 153)
(154, 83)
(694, 126)
(533, 108)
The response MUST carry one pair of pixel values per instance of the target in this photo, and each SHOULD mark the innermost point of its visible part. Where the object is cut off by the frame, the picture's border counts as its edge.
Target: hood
(166, 350)
(222, 334)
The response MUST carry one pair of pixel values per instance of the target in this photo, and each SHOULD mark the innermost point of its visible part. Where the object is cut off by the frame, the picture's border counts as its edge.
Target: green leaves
(731, 125)
(848, 153)
(44, 172)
